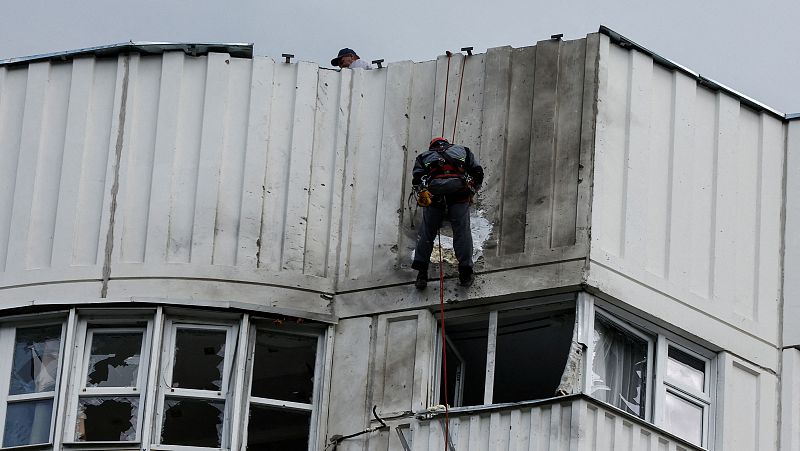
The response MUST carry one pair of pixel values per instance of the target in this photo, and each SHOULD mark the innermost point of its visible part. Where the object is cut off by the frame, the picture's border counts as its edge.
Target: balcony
(575, 422)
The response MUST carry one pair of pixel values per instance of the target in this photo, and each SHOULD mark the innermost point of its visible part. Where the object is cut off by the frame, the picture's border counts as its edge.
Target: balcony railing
(568, 423)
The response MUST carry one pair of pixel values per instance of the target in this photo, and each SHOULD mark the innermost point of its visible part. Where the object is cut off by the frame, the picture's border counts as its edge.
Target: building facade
(203, 250)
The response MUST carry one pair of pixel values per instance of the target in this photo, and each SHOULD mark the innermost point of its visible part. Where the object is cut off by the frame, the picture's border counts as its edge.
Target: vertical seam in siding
(115, 186)
(626, 156)
(757, 235)
(712, 252)
(670, 174)
(554, 161)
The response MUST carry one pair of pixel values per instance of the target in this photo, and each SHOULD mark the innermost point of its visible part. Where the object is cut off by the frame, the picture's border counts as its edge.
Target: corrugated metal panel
(572, 424)
(282, 175)
(55, 123)
(687, 198)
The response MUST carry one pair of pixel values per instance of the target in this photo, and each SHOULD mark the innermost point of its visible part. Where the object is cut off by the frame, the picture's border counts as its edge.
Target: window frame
(659, 386)
(320, 370)
(227, 394)
(8, 335)
(540, 305)
(87, 325)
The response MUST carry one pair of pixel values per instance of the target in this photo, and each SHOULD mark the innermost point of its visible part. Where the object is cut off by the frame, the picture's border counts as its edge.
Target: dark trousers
(432, 217)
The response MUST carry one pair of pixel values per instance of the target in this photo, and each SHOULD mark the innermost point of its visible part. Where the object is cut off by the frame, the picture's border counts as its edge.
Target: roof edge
(624, 42)
(237, 50)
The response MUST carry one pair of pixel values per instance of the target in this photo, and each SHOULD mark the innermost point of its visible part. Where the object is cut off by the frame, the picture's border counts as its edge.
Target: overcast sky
(752, 46)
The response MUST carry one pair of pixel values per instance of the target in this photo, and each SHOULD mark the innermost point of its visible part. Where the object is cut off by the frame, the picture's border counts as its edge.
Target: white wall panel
(686, 201)
(790, 399)
(791, 283)
(747, 410)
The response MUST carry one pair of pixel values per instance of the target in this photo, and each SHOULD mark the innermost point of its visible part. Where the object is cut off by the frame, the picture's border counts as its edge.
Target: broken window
(640, 369)
(111, 382)
(196, 384)
(282, 390)
(32, 385)
(621, 366)
(508, 355)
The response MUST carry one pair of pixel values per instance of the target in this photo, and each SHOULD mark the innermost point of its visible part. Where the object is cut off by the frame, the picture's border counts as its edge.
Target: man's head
(344, 58)
(438, 142)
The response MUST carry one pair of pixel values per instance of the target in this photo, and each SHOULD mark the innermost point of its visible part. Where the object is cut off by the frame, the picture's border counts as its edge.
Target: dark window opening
(466, 360)
(532, 350)
(107, 419)
(190, 422)
(284, 367)
(114, 359)
(277, 430)
(199, 359)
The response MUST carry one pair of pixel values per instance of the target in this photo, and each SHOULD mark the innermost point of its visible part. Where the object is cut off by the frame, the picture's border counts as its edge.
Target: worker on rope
(445, 177)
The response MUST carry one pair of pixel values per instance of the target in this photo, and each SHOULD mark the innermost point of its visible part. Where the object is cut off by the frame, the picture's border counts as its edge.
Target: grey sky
(747, 45)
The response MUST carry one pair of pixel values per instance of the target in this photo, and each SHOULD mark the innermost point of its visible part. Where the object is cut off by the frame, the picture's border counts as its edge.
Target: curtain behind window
(619, 367)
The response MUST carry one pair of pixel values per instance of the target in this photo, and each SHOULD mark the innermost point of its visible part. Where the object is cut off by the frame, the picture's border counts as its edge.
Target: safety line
(446, 83)
(444, 346)
(458, 102)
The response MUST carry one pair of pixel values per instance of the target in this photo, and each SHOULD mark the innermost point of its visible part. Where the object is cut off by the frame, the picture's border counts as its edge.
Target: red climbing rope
(446, 83)
(444, 347)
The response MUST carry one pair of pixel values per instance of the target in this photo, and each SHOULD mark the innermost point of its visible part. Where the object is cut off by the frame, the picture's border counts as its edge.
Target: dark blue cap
(342, 52)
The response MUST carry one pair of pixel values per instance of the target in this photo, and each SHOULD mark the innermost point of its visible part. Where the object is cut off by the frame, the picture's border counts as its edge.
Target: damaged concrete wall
(197, 179)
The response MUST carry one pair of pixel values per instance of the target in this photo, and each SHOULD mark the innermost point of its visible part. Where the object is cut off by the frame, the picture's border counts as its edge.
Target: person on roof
(348, 58)
(449, 175)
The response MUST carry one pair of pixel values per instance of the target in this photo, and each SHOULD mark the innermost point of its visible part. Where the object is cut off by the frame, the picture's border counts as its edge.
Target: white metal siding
(210, 172)
(686, 216)
(791, 287)
(568, 425)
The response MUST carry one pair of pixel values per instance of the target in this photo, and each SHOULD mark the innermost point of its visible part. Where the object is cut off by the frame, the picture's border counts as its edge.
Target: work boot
(422, 280)
(465, 276)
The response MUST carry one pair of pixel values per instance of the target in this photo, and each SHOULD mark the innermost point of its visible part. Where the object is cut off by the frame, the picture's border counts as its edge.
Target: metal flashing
(624, 42)
(793, 116)
(237, 50)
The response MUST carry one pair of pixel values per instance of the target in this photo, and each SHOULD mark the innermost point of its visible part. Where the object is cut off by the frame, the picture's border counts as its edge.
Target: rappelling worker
(445, 177)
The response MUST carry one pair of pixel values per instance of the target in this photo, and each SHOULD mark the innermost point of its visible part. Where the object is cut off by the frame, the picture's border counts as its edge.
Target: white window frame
(85, 333)
(226, 393)
(658, 385)
(8, 333)
(319, 371)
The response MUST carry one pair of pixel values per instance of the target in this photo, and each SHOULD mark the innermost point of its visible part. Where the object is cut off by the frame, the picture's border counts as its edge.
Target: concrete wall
(687, 205)
(224, 181)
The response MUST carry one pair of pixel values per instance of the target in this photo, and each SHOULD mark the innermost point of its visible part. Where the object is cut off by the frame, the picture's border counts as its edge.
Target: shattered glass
(114, 359)
(35, 362)
(199, 359)
(272, 429)
(190, 422)
(619, 367)
(28, 423)
(110, 419)
(284, 366)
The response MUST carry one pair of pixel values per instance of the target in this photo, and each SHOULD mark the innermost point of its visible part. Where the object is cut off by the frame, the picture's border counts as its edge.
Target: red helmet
(436, 142)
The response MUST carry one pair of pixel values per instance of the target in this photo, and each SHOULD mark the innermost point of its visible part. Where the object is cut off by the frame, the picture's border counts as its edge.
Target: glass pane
(107, 419)
(192, 422)
(284, 367)
(199, 359)
(686, 370)
(28, 423)
(35, 365)
(619, 367)
(684, 419)
(532, 350)
(114, 359)
(467, 351)
(277, 430)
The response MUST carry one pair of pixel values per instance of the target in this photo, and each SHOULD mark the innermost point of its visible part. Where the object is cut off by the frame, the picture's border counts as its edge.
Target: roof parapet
(624, 42)
(237, 50)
